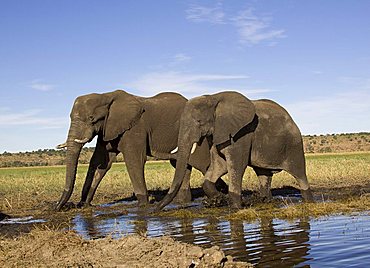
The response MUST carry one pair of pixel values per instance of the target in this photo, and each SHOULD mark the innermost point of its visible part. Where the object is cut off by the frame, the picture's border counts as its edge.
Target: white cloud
(213, 15)
(181, 57)
(340, 113)
(39, 85)
(252, 29)
(317, 72)
(189, 84)
(31, 118)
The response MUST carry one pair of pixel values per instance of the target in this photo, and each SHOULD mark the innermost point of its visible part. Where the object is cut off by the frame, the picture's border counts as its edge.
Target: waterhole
(335, 241)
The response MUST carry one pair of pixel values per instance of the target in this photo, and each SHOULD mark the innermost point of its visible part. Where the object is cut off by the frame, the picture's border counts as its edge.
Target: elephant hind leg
(264, 181)
(237, 159)
(133, 145)
(135, 168)
(304, 186)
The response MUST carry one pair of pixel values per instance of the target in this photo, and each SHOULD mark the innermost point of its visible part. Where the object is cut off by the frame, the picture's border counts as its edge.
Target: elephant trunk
(181, 168)
(73, 153)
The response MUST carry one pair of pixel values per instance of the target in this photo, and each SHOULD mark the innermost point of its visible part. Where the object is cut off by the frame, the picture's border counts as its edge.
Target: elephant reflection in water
(287, 247)
(264, 245)
(267, 243)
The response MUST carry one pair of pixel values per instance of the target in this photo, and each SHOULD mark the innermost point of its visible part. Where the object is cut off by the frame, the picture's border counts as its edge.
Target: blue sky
(313, 57)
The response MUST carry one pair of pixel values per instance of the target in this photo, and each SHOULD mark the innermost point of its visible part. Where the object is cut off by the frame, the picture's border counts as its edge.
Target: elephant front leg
(87, 184)
(94, 176)
(100, 159)
(184, 194)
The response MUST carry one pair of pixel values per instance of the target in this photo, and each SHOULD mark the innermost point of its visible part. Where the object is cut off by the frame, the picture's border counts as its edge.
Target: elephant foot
(83, 204)
(265, 196)
(221, 186)
(210, 189)
(67, 206)
(219, 200)
(307, 195)
(235, 201)
(142, 200)
(183, 196)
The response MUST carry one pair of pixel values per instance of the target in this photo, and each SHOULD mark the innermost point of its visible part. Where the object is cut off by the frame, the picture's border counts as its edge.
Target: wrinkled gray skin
(137, 127)
(260, 134)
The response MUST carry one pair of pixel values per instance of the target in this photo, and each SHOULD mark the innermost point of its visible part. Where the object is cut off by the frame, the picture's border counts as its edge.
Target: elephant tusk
(62, 145)
(82, 141)
(193, 148)
(175, 150)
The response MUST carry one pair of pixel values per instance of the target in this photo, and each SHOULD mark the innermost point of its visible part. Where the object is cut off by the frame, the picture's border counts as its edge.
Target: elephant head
(218, 118)
(109, 115)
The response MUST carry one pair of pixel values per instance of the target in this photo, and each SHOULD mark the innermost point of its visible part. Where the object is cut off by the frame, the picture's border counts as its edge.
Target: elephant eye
(91, 118)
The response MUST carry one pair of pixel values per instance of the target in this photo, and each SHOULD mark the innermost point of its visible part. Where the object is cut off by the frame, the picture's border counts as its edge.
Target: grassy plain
(26, 188)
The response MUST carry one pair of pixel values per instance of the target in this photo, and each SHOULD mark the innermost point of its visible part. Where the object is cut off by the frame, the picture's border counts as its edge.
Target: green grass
(25, 188)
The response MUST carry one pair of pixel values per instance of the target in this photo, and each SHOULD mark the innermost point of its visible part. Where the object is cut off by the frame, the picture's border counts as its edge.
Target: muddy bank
(45, 248)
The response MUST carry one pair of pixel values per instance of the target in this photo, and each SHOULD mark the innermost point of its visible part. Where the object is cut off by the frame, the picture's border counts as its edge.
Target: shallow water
(336, 241)
(24, 220)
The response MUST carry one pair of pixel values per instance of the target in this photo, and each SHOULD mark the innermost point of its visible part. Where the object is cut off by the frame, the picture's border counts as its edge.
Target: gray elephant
(136, 126)
(241, 133)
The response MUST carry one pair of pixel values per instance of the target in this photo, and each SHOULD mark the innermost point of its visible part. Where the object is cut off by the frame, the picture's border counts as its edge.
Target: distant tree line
(46, 157)
(345, 142)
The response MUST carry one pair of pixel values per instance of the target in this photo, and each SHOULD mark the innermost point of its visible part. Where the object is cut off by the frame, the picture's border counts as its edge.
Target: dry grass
(292, 211)
(275, 210)
(323, 170)
(26, 187)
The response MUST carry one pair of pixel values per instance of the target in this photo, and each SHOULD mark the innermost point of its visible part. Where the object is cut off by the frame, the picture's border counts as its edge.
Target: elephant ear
(99, 113)
(233, 112)
(124, 112)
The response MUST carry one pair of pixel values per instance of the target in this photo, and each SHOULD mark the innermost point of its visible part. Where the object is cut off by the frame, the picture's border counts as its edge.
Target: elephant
(241, 133)
(136, 126)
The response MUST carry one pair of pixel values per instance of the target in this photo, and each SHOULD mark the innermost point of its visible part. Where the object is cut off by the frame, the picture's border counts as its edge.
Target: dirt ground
(45, 248)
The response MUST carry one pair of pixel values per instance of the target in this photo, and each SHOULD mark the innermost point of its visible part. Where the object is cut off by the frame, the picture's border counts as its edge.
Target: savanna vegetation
(24, 189)
(337, 143)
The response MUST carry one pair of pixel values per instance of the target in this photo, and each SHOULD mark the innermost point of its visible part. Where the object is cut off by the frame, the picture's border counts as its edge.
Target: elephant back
(162, 113)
